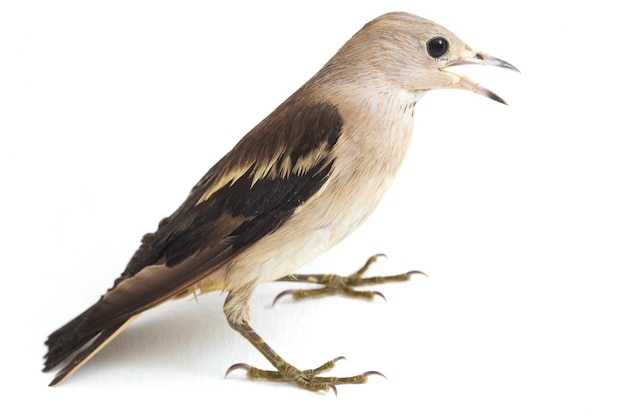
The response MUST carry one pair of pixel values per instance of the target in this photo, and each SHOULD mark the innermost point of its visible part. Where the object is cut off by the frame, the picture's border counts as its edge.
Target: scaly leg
(286, 372)
(344, 285)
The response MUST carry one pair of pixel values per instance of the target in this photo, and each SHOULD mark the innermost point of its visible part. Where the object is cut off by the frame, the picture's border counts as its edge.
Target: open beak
(481, 59)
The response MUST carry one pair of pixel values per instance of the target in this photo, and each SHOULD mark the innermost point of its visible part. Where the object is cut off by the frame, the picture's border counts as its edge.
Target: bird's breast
(367, 162)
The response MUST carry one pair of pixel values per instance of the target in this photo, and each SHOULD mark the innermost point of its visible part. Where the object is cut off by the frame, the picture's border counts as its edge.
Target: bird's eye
(437, 46)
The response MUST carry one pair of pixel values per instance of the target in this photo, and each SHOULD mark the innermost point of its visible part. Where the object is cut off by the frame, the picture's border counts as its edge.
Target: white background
(110, 112)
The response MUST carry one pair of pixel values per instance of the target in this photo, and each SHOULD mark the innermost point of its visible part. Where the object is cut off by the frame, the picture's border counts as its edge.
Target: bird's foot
(344, 285)
(308, 379)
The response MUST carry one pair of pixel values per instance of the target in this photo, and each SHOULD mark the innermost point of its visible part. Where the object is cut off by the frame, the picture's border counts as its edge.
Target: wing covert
(273, 170)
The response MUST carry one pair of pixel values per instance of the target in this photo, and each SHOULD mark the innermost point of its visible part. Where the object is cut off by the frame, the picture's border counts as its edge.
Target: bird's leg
(345, 285)
(285, 372)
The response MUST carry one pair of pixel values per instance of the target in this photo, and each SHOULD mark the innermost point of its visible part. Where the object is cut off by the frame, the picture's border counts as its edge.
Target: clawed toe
(236, 366)
(307, 379)
(416, 272)
(345, 285)
(283, 294)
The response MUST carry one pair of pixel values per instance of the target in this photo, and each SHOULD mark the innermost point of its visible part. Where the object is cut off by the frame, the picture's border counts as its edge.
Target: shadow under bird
(299, 182)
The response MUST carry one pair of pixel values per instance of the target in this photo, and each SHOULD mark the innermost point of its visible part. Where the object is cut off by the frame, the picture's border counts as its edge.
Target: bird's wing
(248, 194)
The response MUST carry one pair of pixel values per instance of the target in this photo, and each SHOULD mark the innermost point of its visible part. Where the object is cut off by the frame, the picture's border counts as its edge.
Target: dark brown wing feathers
(214, 223)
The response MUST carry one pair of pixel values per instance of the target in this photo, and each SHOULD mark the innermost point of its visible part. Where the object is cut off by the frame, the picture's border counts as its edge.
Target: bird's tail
(70, 340)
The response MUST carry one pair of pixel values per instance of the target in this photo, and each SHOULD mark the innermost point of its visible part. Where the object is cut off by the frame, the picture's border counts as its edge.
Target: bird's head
(414, 54)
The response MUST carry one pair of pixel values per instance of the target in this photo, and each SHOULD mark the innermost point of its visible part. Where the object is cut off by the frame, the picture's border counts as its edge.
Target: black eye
(437, 46)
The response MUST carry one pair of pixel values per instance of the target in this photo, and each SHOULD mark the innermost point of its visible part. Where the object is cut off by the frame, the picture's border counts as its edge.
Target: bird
(295, 185)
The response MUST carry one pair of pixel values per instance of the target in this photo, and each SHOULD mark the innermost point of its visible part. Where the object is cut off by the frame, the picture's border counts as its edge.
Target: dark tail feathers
(69, 340)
